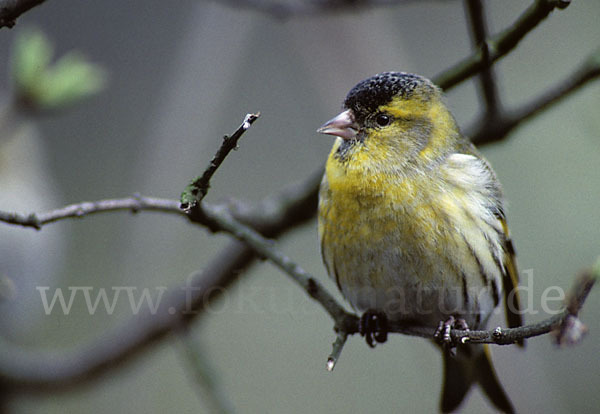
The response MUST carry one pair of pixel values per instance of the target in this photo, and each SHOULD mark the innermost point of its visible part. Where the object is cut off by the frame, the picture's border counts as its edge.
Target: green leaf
(46, 86)
(31, 57)
(71, 79)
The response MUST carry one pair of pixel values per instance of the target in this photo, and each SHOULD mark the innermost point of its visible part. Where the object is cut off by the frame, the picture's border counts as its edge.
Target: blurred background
(179, 77)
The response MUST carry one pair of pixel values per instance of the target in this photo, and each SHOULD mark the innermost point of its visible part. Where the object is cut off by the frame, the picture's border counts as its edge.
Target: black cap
(378, 90)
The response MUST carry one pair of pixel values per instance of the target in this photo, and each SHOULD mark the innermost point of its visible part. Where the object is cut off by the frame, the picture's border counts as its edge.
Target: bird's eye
(382, 120)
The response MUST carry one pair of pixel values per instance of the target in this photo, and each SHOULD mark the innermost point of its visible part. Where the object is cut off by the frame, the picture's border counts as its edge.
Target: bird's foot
(442, 333)
(373, 326)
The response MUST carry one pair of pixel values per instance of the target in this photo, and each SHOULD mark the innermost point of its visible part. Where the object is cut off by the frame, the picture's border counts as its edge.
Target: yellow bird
(412, 225)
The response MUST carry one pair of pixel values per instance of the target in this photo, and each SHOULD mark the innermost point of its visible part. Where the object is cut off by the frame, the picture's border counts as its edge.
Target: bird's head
(394, 119)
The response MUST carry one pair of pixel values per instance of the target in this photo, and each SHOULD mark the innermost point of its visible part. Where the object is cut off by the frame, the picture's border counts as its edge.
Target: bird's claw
(373, 326)
(442, 333)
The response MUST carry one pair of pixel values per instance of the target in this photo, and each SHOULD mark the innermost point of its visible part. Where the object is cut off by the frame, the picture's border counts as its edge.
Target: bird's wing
(510, 274)
(510, 281)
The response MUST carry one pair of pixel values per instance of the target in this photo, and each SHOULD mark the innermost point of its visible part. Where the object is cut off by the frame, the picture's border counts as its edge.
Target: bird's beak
(344, 126)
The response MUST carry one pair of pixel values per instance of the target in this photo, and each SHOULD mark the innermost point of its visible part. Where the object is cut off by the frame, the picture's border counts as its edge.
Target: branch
(300, 8)
(217, 215)
(197, 189)
(10, 10)
(30, 371)
(566, 327)
(563, 325)
(487, 79)
(266, 248)
(572, 330)
(488, 131)
(39, 372)
(194, 194)
(495, 48)
(35, 372)
(338, 345)
(289, 207)
(135, 204)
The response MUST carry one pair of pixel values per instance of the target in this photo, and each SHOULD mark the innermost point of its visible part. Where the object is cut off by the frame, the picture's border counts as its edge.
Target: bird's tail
(471, 364)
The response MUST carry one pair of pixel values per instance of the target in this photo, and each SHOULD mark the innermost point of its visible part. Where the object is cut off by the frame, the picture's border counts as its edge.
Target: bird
(412, 225)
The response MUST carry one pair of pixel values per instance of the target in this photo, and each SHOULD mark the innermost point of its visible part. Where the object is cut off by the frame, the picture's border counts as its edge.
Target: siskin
(412, 225)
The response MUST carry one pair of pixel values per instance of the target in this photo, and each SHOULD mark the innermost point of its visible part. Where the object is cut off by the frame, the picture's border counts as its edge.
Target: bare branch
(495, 48)
(134, 204)
(10, 10)
(266, 248)
(487, 132)
(302, 8)
(31, 372)
(34, 372)
(572, 330)
(197, 189)
(499, 336)
(487, 78)
(295, 203)
(565, 326)
(338, 345)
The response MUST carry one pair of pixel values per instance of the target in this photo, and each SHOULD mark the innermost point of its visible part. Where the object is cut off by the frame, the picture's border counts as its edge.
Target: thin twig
(296, 203)
(572, 330)
(487, 78)
(10, 10)
(338, 346)
(487, 132)
(135, 204)
(498, 46)
(565, 326)
(197, 189)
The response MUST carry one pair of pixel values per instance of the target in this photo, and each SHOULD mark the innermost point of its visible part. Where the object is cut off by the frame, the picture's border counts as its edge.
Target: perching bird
(412, 225)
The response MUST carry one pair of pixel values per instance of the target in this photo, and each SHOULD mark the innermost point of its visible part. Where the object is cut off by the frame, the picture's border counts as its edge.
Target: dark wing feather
(510, 281)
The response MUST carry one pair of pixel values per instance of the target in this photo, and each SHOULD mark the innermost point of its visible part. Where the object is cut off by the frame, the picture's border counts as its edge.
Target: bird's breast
(391, 241)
